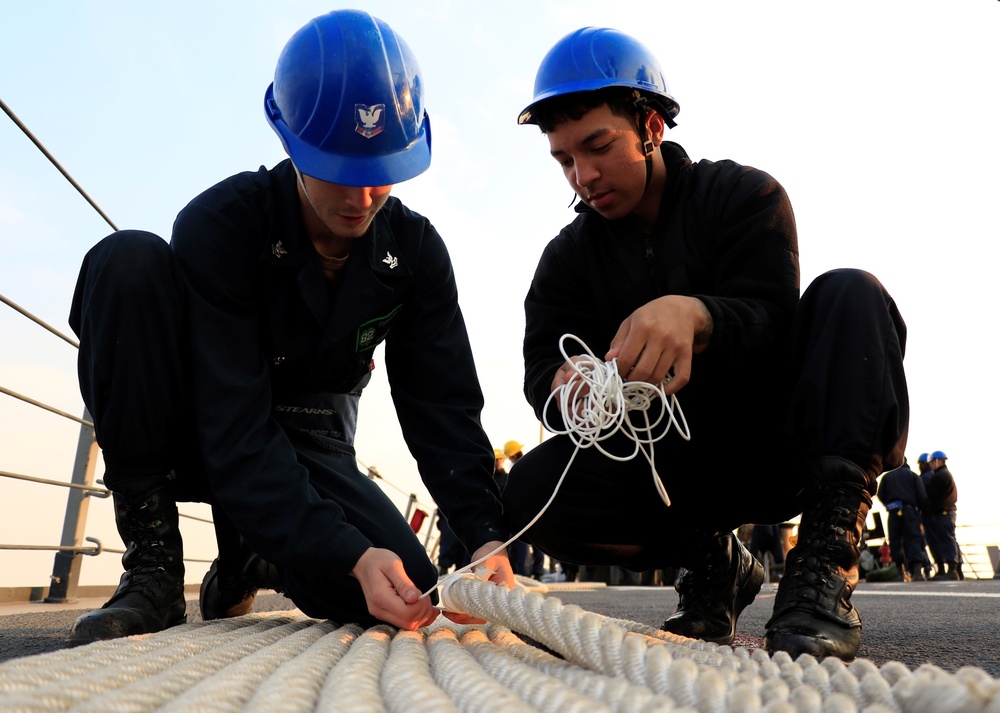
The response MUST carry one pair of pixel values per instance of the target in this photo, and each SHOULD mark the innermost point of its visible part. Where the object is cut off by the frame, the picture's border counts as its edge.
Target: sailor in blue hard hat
(942, 509)
(227, 366)
(689, 269)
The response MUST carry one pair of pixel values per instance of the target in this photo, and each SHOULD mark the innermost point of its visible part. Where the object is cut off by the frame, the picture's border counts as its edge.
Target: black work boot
(715, 591)
(150, 595)
(951, 573)
(813, 613)
(231, 583)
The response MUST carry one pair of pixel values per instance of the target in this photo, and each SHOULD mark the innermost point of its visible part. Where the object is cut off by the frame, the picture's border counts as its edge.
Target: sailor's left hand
(500, 574)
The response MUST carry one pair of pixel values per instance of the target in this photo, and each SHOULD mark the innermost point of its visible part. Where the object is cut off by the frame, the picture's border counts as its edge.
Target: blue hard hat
(347, 102)
(922, 458)
(598, 57)
(938, 454)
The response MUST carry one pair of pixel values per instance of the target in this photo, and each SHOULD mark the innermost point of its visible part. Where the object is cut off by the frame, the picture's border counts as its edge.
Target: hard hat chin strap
(305, 191)
(641, 106)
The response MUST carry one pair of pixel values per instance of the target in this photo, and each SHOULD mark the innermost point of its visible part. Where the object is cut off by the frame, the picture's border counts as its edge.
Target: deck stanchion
(66, 568)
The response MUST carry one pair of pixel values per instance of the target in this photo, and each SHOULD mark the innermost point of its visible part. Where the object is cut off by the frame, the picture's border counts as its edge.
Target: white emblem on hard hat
(370, 119)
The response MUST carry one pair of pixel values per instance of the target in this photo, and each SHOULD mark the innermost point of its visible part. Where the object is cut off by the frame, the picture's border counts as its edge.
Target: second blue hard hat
(347, 102)
(938, 454)
(595, 58)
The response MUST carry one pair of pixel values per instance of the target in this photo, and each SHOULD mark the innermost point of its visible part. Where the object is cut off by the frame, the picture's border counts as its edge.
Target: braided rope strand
(296, 685)
(459, 675)
(407, 682)
(231, 691)
(354, 683)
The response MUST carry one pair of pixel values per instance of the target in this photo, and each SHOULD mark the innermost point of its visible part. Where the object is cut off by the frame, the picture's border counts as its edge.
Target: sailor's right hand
(390, 593)
(655, 343)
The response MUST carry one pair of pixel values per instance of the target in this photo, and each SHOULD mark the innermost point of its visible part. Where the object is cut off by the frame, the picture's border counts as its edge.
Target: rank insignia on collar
(390, 261)
(278, 250)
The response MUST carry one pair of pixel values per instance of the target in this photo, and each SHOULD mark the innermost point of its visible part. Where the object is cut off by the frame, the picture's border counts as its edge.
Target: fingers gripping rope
(595, 404)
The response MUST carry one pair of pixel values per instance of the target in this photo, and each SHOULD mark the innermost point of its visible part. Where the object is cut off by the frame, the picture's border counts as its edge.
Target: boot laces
(815, 572)
(147, 557)
(707, 580)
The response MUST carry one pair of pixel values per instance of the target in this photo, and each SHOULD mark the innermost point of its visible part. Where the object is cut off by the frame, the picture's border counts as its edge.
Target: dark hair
(549, 113)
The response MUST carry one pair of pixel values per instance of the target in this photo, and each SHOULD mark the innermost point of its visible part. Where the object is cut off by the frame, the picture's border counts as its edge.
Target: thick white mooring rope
(289, 663)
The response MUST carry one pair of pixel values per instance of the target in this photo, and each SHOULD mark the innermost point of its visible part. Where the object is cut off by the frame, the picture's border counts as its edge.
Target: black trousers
(451, 551)
(135, 376)
(906, 540)
(930, 536)
(943, 528)
(844, 396)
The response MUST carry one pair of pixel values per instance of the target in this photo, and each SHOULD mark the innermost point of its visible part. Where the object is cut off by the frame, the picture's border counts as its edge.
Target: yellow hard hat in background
(497, 454)
(512, 447)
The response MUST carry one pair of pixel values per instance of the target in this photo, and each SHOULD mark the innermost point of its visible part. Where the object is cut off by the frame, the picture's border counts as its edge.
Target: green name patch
(371, 333)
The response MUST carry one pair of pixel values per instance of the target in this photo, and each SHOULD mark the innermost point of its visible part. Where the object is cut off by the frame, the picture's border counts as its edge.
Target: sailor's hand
(566, 372)
(498, 564)
(391, 595)
(500, 571)
(659, 339)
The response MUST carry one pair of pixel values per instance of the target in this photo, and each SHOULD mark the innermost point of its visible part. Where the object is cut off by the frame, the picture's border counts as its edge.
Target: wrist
(704, 325)
(359, 563)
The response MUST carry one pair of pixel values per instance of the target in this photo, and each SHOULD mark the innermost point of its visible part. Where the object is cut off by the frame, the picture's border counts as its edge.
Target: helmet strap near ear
(302, 184)
(641, 107)
(305, 191)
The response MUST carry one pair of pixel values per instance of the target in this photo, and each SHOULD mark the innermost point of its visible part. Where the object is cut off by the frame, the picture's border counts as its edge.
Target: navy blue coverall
(229, 361)
(790, 380)
(942, 497)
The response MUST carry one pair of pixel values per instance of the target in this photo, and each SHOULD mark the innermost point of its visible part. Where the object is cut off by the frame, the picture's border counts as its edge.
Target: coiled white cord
(595, 404)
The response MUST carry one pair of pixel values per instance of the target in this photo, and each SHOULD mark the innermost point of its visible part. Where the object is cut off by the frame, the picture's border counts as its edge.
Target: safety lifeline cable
(595, 403)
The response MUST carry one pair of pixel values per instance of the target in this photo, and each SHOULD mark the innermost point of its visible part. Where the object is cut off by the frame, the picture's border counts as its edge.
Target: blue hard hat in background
(347, 102)
(595, 58)
(922, 458)
(938, 454)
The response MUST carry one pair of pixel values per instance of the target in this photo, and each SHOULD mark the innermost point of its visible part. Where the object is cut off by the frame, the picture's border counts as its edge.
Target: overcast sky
(878, 117)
